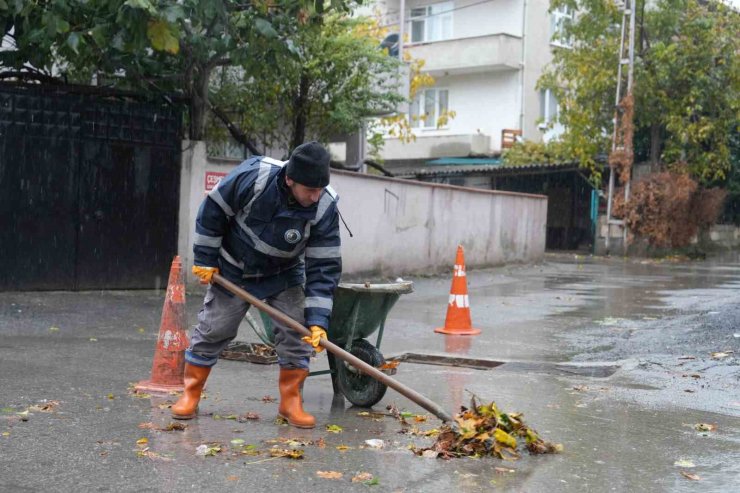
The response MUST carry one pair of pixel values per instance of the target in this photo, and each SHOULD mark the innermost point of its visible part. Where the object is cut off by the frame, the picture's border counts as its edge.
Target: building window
(431, 23)
(560, 19)
(427, 106)
(549, 108)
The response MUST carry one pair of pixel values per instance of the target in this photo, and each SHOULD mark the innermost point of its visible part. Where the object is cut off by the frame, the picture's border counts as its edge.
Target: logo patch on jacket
(292, 236)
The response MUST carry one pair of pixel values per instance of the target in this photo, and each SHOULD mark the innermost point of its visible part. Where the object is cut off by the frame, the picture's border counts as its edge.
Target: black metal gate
(89, 191)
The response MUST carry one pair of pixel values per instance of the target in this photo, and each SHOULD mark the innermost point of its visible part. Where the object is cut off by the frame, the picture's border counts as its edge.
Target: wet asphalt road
(655, 323)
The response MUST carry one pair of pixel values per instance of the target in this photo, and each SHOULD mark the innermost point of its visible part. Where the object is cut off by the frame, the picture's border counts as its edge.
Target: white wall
(405, 226)
(484, 103)
(498, 16)
(468, 19)
(402, 226)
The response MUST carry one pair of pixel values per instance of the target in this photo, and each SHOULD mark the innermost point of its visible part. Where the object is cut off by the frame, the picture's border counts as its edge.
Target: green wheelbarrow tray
(358, 311)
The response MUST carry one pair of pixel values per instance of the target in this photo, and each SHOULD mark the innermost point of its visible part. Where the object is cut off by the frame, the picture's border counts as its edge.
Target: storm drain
(594, 370)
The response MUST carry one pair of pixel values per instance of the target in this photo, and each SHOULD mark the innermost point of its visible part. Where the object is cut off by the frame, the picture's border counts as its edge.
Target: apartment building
(486, 57)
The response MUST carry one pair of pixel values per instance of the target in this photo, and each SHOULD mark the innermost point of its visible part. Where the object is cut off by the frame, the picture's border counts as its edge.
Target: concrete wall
(402, 226)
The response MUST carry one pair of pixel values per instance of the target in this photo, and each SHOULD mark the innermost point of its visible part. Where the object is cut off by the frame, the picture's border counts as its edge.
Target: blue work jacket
(251, 228)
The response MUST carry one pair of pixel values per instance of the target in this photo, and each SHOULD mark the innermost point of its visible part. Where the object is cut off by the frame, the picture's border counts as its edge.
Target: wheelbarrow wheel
(361, 390)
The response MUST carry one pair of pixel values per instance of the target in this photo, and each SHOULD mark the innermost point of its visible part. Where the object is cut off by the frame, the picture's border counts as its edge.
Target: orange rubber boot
(291, 405)
(195, 379)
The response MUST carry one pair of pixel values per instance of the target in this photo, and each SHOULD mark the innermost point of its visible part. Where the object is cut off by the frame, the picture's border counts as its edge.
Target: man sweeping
(272, 229)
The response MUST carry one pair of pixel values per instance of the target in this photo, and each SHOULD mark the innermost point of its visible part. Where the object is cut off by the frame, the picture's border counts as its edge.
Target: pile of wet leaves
(484, 430)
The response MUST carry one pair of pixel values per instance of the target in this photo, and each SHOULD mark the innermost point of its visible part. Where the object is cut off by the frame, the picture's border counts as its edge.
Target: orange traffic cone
(169, 355)
(458, 310)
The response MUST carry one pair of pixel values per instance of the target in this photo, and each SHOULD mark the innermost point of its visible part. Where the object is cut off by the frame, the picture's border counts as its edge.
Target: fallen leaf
(705, 427)
(688, 475)
(684, 463)
(329, 474)
(142, 441)
(207, 450)
(320, 443)
(288, 453)
(690, 391)
(53, 329)
(250, 450)
(580, 388)
(362, 477)
(721, 354)
(420, 418)
(375, 443)
(389, 365)
(268, 398)
(249, 416)
(342, 448)
(166, 405)
(6, 433)
(237, 441)
(111, 396)
(152, 455)
(175, 427)
(44, 407)
(687, 357)
(333, 428)
(140, 330)
(93, 339)
(147, 426)
(232, 478)
(430, 454)
(503, 470)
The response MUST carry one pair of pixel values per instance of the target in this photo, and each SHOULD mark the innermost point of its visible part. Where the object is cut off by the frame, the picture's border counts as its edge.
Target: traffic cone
(458, 310)
(168, 366)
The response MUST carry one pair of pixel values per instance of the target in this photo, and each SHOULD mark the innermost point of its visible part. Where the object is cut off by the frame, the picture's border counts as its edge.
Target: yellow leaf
(504, 438)
(333, 428)
(161, 36)
(142, 441)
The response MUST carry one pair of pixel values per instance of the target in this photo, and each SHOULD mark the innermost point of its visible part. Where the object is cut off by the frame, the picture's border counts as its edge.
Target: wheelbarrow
(359, 310)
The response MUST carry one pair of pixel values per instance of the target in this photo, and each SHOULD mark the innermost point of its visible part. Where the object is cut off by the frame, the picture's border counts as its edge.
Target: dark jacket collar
(277, 199)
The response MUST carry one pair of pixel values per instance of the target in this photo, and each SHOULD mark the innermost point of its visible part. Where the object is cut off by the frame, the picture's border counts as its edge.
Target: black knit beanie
(309, 165)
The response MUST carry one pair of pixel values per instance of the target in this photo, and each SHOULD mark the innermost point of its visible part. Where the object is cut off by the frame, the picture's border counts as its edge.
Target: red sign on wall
(212, 179)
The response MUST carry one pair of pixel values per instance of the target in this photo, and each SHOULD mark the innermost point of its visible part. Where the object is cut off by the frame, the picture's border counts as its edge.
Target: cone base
(149, 386)
(457, 332)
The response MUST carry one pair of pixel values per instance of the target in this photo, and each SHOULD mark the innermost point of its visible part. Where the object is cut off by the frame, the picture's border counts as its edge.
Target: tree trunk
(655, 145)
(198, 103)
(301, 113)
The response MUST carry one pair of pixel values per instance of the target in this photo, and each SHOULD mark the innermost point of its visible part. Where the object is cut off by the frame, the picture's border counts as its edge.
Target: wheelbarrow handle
(336, 350)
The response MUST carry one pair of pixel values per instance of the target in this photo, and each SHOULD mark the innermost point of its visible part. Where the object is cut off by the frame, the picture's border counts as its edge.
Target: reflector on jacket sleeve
(324, 252)
(319, 302)
(209, 241)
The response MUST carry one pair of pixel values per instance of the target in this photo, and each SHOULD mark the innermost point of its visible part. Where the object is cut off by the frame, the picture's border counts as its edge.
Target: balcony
(490, 53)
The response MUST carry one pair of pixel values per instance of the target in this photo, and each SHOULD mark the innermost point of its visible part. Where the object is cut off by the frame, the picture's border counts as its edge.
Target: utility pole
(624, 90)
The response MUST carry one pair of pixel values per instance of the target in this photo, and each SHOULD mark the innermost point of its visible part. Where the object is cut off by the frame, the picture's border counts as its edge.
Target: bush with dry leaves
(669, 208)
